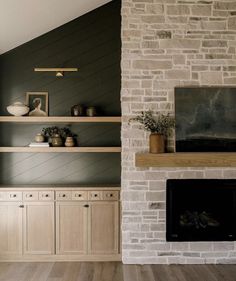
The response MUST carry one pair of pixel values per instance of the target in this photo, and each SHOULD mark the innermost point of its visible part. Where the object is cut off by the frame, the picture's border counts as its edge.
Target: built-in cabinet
(38, 228)
(72, 228)
(103, 227)
(56, 224)
(10, 228)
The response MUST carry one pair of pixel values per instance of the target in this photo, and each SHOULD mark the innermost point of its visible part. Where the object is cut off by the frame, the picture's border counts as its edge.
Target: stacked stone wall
(165, 44)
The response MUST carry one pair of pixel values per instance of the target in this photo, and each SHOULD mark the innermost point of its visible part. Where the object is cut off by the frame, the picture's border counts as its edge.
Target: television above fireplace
(205, 119)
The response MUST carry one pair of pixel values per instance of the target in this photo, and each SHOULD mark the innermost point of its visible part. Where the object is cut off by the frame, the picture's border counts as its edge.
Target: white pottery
(18, 109)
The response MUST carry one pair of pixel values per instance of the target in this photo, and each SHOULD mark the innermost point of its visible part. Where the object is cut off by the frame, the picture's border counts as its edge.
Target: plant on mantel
(160, 126)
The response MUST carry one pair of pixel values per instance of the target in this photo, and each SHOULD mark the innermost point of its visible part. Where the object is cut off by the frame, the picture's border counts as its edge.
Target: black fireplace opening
(201, 210)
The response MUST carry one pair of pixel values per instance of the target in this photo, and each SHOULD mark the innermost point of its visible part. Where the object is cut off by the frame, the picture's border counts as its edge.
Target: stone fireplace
(168, 44)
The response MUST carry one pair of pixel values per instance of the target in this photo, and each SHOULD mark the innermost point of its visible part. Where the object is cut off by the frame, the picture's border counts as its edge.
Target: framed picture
(38, 103)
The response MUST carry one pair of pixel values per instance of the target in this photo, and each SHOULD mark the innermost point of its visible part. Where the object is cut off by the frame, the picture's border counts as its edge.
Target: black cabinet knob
(86, 206)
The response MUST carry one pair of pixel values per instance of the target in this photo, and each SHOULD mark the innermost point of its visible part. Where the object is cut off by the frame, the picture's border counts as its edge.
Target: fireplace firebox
(201, 210)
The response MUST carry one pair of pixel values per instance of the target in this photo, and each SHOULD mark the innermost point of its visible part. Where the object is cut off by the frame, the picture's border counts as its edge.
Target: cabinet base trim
(64, 258)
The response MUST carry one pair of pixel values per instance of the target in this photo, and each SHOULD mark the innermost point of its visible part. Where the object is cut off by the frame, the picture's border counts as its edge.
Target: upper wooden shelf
(186, 159)
(61, 119)
(27, 149)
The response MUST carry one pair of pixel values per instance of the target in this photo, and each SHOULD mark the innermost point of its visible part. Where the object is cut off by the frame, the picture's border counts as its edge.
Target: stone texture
(178, 10)
(153, 19)
(211, 78)
(213, 25)
(214, 43)
(180, 44)
(151, 64)
(155, 196)
(177, 74)
(154, 9)
(165, 44)
(232, 23)
(201, 10)
(222, 5)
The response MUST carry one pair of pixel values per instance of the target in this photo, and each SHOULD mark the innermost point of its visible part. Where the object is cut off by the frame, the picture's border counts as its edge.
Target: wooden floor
(114, 271)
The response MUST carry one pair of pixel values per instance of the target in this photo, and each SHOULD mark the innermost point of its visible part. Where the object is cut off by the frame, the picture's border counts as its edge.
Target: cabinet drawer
(2, 196)
(14, 196)
(95, 195)
(79, 195)
(110, 195)
(30, 196)
(63, 195)
(46, 195)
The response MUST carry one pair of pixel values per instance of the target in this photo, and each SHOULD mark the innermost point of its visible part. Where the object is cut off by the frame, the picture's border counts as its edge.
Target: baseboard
(57, 258)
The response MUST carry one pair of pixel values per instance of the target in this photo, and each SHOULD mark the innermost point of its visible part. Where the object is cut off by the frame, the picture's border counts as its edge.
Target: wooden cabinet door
(10, 228)
(72, 223)
(38, 226)
(104, 227)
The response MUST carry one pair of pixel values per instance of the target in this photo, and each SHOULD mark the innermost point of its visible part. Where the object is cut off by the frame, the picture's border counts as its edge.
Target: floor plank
(113, 271)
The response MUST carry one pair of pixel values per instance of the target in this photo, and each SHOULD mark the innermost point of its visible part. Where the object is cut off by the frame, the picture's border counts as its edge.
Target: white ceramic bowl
(18, 109)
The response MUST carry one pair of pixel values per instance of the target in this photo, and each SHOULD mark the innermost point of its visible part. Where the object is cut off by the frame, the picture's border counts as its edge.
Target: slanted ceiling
(22, 21)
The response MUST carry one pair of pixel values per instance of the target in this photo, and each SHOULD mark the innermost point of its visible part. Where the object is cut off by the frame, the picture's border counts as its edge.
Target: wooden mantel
(186, 159)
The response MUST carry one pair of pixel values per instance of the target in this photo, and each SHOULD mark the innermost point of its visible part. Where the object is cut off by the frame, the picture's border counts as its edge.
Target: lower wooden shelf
(61, 149)
(186, 159)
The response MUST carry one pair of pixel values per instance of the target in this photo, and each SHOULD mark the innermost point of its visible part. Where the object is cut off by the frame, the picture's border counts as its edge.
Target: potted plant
(160, 127)
(57, 136)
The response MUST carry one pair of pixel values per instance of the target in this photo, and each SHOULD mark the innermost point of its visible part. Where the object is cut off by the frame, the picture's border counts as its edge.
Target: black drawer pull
(21, 206)
(86, 206)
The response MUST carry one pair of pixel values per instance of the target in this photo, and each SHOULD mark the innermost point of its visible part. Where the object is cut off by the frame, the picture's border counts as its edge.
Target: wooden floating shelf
(186, 159)
(61, 149)
(61, 119)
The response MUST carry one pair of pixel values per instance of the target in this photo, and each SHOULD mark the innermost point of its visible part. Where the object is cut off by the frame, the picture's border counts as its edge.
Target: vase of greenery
(57, 136)
(160, 127)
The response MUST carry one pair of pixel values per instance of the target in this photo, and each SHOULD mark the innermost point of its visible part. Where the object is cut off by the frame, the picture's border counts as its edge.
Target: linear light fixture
(59, 71)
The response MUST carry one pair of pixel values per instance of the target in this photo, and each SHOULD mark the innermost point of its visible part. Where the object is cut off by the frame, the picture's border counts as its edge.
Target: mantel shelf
(186, 159)
(60, 119)
(60, 149)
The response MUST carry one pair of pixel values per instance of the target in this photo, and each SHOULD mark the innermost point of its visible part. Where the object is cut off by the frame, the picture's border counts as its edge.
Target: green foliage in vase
(62, 132)
(160, 124)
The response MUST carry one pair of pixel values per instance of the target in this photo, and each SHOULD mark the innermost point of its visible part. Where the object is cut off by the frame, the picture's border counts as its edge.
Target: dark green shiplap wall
(91, 43)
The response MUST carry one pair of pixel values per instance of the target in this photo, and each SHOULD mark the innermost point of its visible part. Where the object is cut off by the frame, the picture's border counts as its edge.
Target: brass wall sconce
(59, 71)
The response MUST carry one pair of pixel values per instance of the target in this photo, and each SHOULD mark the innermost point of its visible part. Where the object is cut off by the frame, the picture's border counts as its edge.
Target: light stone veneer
(168, 43)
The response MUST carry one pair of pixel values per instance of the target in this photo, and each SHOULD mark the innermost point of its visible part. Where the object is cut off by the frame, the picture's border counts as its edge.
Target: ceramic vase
(69, 142)
(57, 141)
(156, 143)
(39, 138)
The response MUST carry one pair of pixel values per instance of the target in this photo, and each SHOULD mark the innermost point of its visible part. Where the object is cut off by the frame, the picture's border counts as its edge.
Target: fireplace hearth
(201, 210)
